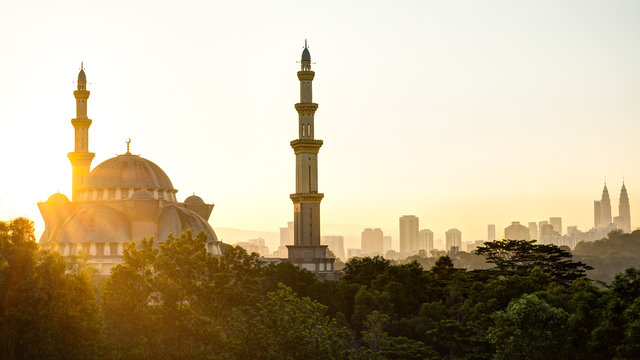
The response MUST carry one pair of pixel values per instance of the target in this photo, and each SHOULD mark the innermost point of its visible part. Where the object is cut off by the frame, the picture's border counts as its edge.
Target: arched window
(309, 129)
(303, 130)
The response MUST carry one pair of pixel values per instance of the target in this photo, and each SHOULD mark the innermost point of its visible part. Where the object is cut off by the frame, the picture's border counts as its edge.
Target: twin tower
(602, 211)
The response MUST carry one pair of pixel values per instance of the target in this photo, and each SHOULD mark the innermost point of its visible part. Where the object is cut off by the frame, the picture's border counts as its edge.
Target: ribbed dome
(176, 220)
(142, 195)
(194, 200)
(128, 171)
(58, 198)
(96, 223)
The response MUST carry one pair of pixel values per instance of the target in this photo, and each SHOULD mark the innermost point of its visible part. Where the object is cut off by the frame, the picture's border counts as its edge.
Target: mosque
(123, 199)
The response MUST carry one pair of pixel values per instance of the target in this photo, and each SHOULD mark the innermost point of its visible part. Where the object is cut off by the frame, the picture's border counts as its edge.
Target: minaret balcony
(306, 75)
(306, 146)
(306, 108)
(306, 198)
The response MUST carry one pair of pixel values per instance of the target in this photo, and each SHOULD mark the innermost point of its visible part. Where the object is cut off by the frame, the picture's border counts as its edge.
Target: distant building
(336, 245)
(453, 240)
(602, 209)
(255, 245)
(533, 231)
(623, 220)
(473, 245)
(387, 243)
(556, 223)
(491, 232)
(547, 230)
(286, 234)
(351, 253)
(409, 225)
(425, 241)
(371, 242)
(515, 231)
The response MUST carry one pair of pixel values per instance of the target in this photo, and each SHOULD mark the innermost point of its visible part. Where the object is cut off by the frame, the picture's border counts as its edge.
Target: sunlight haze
(463, 113)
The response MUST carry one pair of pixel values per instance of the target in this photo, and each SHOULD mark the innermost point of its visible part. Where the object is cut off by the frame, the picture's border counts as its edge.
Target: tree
(529, 329)
(284, 326)
(522, 256)
(47, 305)
(364, 270)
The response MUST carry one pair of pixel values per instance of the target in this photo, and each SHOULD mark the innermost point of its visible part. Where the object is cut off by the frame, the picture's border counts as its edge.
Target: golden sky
(463, 113)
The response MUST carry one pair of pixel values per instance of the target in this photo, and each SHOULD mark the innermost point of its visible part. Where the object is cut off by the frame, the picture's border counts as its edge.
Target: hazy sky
(463, 113)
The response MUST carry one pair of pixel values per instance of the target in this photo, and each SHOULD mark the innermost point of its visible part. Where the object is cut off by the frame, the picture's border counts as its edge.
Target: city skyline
(495, 97)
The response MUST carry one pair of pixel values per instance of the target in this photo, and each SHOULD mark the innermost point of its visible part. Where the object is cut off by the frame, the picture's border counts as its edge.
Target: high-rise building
(515, 231)
(540, 225)
(371, 242)
(547, 230)
(307, 252)
(491, 232)
(602, 209)
(387, 243)
(425, 241)
(409, 225)
(623, 220)
(286, 235)
(453, 240)
(335, 244)
(556, 222)
(533, 231)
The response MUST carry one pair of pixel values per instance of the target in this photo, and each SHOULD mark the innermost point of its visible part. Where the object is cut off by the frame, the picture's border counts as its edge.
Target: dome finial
(81, 65)
(305, 43)
(128, 142)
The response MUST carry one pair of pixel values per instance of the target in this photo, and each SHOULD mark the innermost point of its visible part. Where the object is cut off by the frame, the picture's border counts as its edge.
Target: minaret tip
(81, 65)
(305, 43)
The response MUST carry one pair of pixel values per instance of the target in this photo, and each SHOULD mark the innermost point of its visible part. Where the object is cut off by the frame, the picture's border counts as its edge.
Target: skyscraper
(387, 243)
(515, 231)
(335, 244)
(453, 240)
(602, 209)
(624, 211)
(425, 240)
(491, 232)
(556, 222)
(371, 242)
(409, 225)
(307, 252)
(533, 231)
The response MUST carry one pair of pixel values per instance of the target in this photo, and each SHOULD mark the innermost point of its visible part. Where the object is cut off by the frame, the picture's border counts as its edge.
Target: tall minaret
(624, 210)
(307, 251)
(81, 157)
(605, 207)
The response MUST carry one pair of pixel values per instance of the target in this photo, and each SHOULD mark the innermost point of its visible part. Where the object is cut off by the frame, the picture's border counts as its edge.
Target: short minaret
(81, 157)
(307, 251)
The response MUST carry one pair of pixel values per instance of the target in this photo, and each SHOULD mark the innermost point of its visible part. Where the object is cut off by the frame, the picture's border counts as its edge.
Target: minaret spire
(307, 251)
(81, 157)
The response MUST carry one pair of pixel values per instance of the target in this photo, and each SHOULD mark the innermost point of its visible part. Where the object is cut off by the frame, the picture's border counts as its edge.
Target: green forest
(173, 300)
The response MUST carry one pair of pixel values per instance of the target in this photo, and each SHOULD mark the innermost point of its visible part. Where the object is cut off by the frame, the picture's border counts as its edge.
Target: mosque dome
(306, 56)
(127, 174)
(141, 195)
(194, 200)
(97, 223)
(58, 198)
(176, 220)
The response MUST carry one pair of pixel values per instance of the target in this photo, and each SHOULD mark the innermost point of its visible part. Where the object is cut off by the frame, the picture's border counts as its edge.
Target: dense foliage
(173, 300)
(611, 255)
